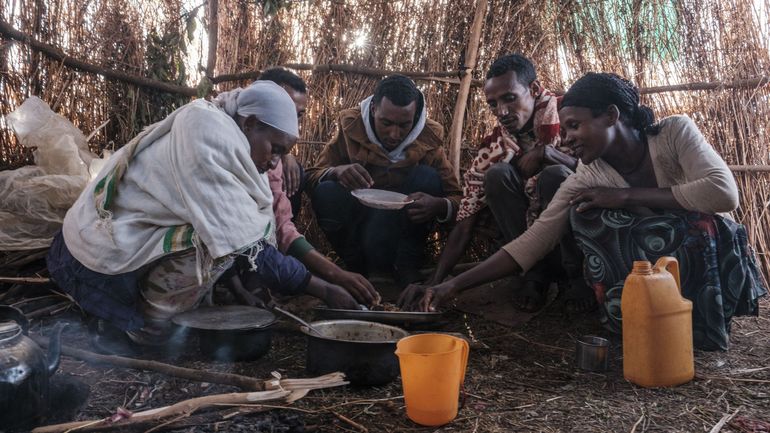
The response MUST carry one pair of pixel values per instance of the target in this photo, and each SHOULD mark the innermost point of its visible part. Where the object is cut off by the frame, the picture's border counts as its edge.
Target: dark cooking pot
(24, 370)
(230, 333)
(364, 351)
(235, 345)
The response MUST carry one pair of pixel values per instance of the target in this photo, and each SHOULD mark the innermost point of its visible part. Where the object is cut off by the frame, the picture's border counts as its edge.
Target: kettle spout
(54, 348)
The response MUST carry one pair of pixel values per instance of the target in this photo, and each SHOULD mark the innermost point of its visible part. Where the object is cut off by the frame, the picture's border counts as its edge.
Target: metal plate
(228, 317)
(381, 199)
(387, 317)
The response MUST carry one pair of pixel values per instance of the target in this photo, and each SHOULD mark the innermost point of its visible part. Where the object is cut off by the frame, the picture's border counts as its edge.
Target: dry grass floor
(524, 382)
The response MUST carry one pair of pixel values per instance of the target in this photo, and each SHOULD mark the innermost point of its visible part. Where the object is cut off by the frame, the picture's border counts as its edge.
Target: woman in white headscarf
(175, 208)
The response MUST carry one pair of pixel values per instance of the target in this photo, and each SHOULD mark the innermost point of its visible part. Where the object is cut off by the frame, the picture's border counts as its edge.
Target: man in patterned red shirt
(516, 172)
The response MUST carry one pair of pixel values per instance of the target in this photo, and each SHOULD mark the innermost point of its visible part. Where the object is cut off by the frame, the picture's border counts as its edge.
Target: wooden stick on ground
(49, 310)
(167, 413)
(636, 424)
(350, 422)
(16, 259)
(25, 280)
(164, 416)
(242, 382)
(11, 292)
(168, 423)
(725, 419)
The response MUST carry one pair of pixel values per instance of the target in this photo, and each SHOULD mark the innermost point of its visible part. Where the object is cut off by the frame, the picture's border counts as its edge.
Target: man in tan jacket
(386, 143)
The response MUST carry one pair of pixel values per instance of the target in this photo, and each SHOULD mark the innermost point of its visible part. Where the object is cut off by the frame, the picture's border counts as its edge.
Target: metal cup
(592, 353)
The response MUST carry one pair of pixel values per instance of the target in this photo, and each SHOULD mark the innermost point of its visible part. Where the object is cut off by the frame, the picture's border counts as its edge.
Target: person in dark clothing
(386, 143)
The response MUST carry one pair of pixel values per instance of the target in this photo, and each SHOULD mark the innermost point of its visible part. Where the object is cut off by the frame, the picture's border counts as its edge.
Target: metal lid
(9, 329)
(228, 317)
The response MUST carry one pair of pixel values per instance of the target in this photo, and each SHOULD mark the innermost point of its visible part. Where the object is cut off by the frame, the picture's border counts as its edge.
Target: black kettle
(24, 370)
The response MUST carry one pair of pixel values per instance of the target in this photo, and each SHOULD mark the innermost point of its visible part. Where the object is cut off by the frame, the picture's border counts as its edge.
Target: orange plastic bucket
(432, 372)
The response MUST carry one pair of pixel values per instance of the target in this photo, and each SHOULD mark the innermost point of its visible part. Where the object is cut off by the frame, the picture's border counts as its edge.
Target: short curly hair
(399, 89)
(522, 66)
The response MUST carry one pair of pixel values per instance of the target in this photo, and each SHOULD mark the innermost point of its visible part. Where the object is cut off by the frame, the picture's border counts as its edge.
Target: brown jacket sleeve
(333, 154)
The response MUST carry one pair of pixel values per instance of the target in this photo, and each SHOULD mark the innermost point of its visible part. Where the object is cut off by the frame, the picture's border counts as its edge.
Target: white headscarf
(399, 153)
(119, 225)
(267, 101)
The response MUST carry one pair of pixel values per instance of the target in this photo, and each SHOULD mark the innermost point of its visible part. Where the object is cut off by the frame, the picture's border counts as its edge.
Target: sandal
(577, 296)
(531, 297)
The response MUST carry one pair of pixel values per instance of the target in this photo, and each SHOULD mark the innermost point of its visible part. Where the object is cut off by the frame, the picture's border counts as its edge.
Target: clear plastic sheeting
(34, 199)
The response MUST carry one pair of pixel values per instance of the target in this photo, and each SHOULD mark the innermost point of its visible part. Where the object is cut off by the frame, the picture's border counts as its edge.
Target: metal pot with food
(364, 351)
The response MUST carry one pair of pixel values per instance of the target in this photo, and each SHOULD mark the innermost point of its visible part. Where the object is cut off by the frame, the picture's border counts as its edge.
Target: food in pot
(385, 307)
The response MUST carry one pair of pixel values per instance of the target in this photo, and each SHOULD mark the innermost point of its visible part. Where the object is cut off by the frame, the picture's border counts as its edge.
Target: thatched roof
(720, 45)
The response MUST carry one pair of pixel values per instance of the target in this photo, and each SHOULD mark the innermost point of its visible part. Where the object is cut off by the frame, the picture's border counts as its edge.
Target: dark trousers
(504, 190)
(375, 239)
(117, 298)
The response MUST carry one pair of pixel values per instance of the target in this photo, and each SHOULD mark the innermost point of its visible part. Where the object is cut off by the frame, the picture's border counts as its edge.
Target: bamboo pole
(444, 76)
(211, 60)
(750, 168)
(55, 53)
(456, 131)
(747, 83)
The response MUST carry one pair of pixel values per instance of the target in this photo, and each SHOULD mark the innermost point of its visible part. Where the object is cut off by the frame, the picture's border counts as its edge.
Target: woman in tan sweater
(642, 190)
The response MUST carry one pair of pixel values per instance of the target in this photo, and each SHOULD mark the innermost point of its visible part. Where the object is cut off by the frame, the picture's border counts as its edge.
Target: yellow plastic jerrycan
(657, 326)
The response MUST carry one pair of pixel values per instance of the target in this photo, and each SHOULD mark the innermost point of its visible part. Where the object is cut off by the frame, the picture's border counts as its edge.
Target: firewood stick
(725, 419)
(168, 423)
(312, 383)
(168, 415)
(49, 310)
(203, 419)
(25, 280)
(19, 303)
(243, 382)
(164, 414)
(350, 422)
